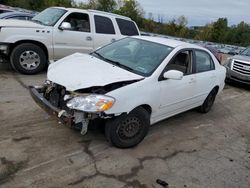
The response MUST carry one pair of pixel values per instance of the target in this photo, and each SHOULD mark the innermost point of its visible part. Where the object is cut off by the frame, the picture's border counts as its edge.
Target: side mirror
(65, 26)
(173, 74)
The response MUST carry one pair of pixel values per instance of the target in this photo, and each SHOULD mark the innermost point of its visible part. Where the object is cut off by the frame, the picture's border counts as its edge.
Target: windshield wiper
(113, 62)
(96, 53)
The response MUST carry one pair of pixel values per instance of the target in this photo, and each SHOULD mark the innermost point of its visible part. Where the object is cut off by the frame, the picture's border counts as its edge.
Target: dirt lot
(188, 150)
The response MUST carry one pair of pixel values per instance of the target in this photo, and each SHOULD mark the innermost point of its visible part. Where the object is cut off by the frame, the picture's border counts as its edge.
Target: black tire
(209, 101)
(30, 53)
(128, 130)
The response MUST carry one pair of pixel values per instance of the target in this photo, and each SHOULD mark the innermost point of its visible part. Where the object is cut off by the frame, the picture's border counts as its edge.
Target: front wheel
(28, 58)
(208, 103)
(128, 130)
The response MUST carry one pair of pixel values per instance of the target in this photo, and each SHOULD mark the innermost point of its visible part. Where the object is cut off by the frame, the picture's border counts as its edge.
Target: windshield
(49, 16)
(135, 55)
(246, 52)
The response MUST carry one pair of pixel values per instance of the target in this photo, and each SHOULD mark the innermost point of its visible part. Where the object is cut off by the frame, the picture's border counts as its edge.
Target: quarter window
(78, 22)
(127, 27)
(104, 25)
(204, 61)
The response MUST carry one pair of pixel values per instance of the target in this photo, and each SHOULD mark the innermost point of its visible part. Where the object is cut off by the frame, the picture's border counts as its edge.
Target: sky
(198, 12)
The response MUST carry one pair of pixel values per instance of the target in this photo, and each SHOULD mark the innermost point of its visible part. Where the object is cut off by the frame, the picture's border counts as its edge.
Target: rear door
(78, 38)
(104, 31)
(205, 76)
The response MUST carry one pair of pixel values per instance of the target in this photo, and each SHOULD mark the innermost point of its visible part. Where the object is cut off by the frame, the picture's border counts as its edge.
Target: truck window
(103, 25)
(127, 27)
(78, 22)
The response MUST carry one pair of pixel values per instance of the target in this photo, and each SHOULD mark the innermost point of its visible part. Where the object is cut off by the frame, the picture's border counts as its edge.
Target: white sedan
(131, 84)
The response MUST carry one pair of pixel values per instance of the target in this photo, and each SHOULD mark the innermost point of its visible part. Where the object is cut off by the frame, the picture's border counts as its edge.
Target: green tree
(219, 30)
(204, 33)
(106, 5)
(103, 5)
(132, 9)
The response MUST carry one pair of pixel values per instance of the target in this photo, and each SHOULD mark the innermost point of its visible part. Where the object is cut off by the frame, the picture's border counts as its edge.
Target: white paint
(80, 71)
(166, 97)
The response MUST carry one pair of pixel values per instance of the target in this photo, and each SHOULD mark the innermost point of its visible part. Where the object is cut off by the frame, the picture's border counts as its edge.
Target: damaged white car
(131, 84)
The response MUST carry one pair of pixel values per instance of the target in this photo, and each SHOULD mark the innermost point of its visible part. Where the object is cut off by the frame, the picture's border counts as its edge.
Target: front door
(77, 38)
(177, 95)
(205, 75)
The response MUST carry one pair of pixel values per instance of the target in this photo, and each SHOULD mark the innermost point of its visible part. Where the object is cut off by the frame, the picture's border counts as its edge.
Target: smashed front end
(71, 108)
(76, 108)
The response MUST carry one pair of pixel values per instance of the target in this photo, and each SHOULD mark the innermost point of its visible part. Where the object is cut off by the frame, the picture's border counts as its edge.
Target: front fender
(145, 92)
(15, 35)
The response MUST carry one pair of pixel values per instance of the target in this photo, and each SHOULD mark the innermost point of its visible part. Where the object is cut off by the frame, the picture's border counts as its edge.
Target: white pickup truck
(57, 32)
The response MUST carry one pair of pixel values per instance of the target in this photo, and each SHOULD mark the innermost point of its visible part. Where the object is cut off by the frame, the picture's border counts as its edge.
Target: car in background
(17, 15)
(3, 10)
(238, 67)
(57, 32)
(216, 53)
(131, 84)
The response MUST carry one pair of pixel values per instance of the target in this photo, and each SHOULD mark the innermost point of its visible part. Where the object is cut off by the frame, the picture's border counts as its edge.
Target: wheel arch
(216, 88)
(145, 107)
(40, 44)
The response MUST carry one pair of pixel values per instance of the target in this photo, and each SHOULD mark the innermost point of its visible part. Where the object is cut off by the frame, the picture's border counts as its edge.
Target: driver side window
(181, 62)
(79, 22)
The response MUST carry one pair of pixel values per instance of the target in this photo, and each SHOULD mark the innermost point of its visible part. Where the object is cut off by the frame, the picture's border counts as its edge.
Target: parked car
(57, 32)
(17, 15)
(216, 53)
(225, 50)
(238, 67)
(3, 10)
(131, 84)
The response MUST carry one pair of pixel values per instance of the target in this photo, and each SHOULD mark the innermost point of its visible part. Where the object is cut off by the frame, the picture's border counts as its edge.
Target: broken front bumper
(62, 115)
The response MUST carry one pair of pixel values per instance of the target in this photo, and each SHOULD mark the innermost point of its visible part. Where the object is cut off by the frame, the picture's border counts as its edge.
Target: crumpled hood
(19, 23)
(242, 58)
(79, 71)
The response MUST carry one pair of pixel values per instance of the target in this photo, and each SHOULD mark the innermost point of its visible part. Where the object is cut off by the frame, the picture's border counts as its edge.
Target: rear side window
(127, 27)
(104, 25)
(204, 61)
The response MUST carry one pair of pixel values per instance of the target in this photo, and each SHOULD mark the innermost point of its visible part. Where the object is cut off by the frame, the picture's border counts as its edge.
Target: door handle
(113, 40)
(88, 38)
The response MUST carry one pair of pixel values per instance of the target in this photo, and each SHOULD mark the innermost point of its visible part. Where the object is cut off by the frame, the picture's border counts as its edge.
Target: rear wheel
(28, 58)
(208, 103)
(128, 130)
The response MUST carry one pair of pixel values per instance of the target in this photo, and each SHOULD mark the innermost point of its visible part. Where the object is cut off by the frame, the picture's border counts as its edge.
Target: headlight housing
(91, 103)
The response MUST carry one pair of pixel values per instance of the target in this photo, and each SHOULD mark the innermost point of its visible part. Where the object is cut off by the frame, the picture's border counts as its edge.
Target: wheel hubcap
(29, 60)
(129, 128)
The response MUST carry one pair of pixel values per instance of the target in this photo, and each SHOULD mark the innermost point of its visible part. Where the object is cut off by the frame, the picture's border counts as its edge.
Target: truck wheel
(128, 130)
(208, 103)
(28, 58)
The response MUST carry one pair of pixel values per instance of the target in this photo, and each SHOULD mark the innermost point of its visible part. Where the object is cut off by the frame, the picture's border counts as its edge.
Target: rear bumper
(63, 116)
(237, 77)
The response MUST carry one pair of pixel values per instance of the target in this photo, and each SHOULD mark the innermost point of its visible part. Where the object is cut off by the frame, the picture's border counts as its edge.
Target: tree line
(217, 31)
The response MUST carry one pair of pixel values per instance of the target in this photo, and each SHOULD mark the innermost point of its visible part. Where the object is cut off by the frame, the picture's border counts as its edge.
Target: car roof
(169, 42)
(94, 11)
